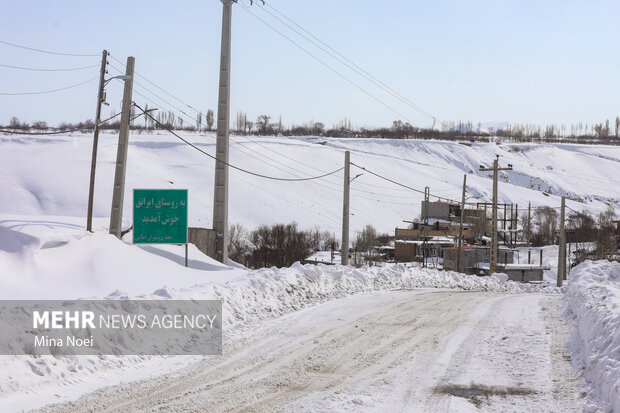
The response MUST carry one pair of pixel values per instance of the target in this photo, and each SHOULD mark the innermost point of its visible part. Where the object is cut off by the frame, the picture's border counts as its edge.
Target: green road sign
(160, 216)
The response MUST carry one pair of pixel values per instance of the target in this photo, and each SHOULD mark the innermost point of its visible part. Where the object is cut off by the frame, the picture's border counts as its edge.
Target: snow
(381, 351)
(50, 175)
(592, 307)
(45, 253)
(98, 265)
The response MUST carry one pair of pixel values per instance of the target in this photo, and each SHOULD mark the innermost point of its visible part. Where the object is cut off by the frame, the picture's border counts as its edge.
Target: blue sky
(517, 61)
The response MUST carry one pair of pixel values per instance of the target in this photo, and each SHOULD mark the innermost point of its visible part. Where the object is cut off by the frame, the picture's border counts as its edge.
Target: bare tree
(366, 239)
(279, 245)
(40, 125)
(262, 123)
(544, 224)
(210, 120)
(238, 244)
(606, 238)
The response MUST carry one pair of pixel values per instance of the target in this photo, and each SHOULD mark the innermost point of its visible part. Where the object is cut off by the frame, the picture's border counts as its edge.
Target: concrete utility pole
(495, 169)
(562, 246)
(220, 196)
(344, 249)
(93, 160)
(116, 216)
(460, 244)
(427, 192)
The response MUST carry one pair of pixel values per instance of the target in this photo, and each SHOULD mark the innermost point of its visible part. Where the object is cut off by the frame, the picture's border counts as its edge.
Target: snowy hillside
(48, 175)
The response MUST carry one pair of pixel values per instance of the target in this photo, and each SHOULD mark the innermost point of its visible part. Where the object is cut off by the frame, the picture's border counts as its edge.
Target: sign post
(160, 217)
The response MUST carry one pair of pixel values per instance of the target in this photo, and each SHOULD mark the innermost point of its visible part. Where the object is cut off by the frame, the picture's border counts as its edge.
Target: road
(409, 351)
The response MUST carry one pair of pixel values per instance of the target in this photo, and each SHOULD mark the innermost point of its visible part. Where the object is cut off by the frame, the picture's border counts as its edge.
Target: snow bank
(271, 292)
(592, 306)
(100, 266)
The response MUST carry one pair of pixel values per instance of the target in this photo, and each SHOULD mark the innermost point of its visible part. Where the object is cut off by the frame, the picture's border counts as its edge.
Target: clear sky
(521, 61)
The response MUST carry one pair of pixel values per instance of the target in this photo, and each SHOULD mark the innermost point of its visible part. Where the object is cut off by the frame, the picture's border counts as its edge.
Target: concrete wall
(523, 275)
(435, 210)
(203, 239)
(471, 257)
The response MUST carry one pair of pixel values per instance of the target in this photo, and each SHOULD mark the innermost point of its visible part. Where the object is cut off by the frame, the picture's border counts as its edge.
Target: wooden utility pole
(562, 246)
(529, 224)
(116, 216)
(460, 243)
(344, 249)
(495, 169)
(93, 159)
(515, 224)
(220, 191)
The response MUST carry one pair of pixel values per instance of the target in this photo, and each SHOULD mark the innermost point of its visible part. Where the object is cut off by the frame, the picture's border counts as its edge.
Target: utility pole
(116, 215)
(220, 187)
(515, 224)
(529, 224)
(460, 244)
(344, 249)
(427, 192)
(93, 160)
(562, 246)
(220, 196)
(495, 169)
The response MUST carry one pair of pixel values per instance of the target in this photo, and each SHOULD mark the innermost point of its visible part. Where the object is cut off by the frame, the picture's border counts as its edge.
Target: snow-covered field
(501, 340)
(49, 175)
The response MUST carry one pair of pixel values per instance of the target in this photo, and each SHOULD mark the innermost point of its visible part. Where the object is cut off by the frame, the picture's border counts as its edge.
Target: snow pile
(100, 266)
(592, 306)
(272, 292)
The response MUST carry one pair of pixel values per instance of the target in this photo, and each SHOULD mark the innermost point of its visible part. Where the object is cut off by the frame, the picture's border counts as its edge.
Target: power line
(238, 145)
(233, 166)
(47, 51)
(48, 91)
(159, 97)
(260, 144)
(332, 185)
(329, 184)
(247, 9)
(403, 185)
(232, 139)
(49, 70)
(347, 62)
(158, 87)
(241, 144)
